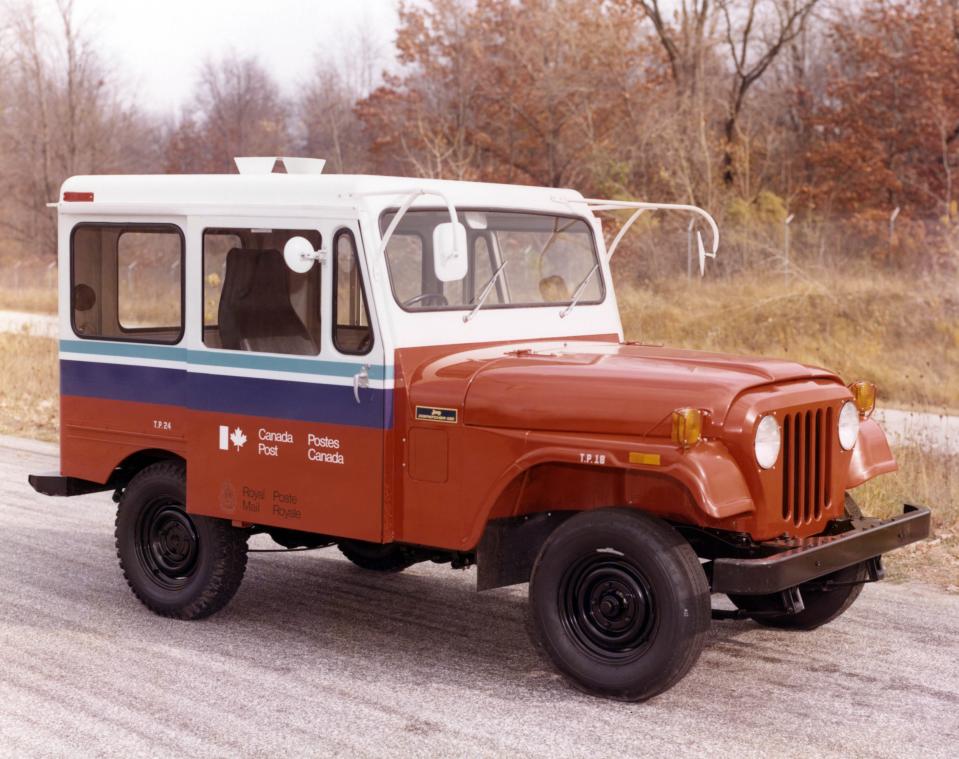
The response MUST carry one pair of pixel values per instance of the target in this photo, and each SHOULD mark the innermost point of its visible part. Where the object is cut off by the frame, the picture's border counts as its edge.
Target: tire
(377, 557)
(619, 604)
(177, 564)
(821, 606)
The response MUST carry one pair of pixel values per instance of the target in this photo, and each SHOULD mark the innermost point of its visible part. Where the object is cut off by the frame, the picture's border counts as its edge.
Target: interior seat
(237, 283)
(256, 313)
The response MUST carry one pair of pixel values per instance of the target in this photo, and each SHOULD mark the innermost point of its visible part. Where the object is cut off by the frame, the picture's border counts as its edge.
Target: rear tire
(619, 604)
(178, 565)
(377, 557)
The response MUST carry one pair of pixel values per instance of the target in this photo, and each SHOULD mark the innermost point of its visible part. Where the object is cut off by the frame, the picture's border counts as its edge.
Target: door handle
(361, 379)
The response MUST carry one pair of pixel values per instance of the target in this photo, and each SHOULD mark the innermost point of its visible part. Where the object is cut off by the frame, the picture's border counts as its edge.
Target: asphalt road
(317, 658)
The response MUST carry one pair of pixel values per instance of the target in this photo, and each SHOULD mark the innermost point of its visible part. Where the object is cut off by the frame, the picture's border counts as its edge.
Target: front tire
(178, 565)
(821, 605)
(619, 604)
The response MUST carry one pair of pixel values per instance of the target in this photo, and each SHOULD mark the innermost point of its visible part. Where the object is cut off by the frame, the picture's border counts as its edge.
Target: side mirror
(449, 252)
(299, 255)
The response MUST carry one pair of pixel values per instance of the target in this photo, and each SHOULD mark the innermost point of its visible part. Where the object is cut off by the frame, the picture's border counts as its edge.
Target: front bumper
(792, 563)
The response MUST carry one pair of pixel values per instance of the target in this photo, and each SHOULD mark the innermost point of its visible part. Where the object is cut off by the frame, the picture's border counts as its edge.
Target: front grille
(807, 461)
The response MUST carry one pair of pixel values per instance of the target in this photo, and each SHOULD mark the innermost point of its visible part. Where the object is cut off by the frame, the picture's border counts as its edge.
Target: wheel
(619, 604)
(377, 557)
(822, 605)
(178, 565)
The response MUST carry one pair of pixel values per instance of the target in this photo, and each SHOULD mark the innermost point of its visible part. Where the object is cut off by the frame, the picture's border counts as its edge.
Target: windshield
(546, 259)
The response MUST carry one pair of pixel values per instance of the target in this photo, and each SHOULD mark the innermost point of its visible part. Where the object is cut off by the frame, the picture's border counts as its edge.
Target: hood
(607, 388)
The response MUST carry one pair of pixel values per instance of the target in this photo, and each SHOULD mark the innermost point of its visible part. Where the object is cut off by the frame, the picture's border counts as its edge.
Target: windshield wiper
(484, 293)
(579, 292)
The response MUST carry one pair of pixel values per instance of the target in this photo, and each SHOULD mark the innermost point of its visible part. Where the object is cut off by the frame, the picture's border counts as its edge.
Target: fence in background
(662, 246)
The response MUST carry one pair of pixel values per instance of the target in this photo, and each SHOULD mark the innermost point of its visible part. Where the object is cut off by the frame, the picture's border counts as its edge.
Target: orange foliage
(529, 92)
(889, 127)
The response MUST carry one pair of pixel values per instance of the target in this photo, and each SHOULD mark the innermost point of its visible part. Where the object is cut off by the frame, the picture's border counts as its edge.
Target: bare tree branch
(791, 16)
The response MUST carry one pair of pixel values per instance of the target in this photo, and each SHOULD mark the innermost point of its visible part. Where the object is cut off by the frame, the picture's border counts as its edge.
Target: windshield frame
(598, 258)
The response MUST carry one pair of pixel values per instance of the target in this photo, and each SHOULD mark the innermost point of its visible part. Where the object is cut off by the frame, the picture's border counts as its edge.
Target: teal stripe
(238, 360)
(243, 360)
(125, 350)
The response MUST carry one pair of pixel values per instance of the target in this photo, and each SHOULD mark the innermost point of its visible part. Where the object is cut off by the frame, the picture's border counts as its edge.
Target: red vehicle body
(620, 479)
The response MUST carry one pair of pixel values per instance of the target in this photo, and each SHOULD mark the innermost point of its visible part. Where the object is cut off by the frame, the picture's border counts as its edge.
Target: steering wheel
(438, 297)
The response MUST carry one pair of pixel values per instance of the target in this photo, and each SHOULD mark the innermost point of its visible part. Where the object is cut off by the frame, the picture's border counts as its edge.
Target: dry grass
(901, 334)
(41, 300)
(928, 479)
(29, 387)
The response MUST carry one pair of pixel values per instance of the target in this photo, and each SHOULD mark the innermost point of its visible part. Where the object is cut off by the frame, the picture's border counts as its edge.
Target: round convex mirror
(299, 255)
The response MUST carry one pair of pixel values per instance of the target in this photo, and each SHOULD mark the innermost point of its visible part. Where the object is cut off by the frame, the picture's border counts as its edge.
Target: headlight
(768, 442)
(848, 425)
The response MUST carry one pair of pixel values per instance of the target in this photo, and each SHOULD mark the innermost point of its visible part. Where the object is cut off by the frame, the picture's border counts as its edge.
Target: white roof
(180, 192)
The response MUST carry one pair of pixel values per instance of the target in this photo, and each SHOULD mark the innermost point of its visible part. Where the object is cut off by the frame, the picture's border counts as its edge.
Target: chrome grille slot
(807, 457)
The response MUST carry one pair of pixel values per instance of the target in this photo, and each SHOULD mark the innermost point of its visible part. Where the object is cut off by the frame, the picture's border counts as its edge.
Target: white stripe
(94, 358)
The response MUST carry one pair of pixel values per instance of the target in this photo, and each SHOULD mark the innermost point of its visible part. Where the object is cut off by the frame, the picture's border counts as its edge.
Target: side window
(127, 282)
(352, 332)
(251, 299)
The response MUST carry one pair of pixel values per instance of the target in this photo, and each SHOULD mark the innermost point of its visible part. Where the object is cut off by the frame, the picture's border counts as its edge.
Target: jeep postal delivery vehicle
(419, 370)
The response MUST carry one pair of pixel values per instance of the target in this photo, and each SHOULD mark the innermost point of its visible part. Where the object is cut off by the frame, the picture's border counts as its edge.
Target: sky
(158, 45)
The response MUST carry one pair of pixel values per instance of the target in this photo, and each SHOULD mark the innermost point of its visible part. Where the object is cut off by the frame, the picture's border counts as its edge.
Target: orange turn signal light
(687, 426)
(864, 396)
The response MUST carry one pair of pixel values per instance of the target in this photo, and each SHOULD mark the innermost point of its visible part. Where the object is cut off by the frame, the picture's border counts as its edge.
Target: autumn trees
(505, 91)
(757, 109)
(236, 109)
(889, 123)
(829, 112)
(61, 113)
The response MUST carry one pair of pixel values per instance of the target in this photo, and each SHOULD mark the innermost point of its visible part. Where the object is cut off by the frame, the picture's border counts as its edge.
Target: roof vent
(266, 164)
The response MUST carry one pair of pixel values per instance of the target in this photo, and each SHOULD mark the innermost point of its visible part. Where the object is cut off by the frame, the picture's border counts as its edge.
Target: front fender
(871, 456)
(707, 472)
(714, 478)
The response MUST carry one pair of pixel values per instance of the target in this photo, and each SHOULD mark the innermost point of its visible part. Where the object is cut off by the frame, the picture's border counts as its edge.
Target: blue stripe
(251, 396)
(233, 360)
(123, 382)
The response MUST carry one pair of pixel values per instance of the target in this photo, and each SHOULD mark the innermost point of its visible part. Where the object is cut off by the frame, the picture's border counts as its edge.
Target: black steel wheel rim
(166, 543)
(607, 607)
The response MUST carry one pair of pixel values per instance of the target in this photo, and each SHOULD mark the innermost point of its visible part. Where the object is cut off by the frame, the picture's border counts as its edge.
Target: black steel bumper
(52, 483)
(792, 564)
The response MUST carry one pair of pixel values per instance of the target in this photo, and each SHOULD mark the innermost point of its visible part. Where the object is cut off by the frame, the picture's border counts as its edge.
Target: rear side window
(127, 282)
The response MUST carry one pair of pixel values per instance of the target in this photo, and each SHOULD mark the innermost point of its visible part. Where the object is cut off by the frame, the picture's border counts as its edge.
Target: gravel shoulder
(316, 657)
